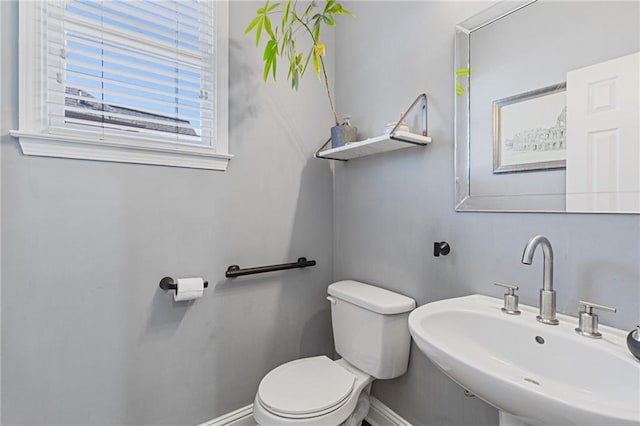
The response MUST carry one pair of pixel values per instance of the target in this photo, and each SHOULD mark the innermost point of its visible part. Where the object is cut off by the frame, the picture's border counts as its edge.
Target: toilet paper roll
(188, 289)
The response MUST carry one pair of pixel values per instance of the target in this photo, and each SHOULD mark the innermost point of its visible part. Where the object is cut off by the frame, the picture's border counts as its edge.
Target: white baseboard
(379, 415)
(241, 417)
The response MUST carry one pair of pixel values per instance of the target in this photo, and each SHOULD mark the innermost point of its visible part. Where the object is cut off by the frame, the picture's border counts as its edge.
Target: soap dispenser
(633, 342)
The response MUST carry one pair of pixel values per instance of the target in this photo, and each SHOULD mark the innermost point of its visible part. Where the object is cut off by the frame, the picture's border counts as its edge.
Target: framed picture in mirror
(529, 130)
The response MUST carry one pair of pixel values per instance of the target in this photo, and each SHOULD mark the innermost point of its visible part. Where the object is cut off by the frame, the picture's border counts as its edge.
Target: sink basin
(534, 373)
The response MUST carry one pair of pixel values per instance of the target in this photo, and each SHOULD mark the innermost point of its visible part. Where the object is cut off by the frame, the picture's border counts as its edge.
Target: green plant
(283, 38)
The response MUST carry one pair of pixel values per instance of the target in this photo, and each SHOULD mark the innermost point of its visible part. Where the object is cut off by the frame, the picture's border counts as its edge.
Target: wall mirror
(547, 107)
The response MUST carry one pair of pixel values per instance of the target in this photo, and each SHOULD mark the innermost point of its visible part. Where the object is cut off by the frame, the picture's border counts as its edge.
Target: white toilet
(371, 334)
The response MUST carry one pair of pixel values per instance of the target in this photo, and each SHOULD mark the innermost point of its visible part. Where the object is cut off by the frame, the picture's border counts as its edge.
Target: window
(141, 81)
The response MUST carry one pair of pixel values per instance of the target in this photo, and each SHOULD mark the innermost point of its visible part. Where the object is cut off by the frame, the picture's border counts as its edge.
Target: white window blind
(138, 81)
(132, 66)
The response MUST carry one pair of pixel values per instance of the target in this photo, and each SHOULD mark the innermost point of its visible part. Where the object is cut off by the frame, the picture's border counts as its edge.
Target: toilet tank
(370, 328)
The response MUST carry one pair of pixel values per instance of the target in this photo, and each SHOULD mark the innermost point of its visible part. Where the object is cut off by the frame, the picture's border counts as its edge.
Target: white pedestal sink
(535, 374)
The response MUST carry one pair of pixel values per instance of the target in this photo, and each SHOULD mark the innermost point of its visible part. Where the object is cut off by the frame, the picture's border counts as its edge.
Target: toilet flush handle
(331, 299)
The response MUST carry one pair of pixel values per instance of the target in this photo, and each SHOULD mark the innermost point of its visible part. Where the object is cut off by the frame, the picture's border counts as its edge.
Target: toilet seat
(305, 388)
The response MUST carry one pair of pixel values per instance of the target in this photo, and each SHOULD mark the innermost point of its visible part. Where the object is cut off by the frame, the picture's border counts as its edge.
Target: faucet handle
(588, 321)
(590, 306)
(510, 299)
(510, 288)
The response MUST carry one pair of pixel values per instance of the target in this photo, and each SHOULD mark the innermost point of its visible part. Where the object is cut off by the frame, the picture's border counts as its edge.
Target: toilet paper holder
(168, 283)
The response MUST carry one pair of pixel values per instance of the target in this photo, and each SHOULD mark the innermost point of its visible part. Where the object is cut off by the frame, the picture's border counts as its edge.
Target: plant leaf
(267, 26)
(252, 24)
(306, 62)
(334, 8)
(311, 6)
(267, 50)
(270, 58)
(267, 67)
(285, 13)
(273, 6)
(299, 68)
(338, 9)
(316, 63)
(295, 79)
(259, 30)
(291, 52)
(329, 20)
(263, 9)
(328, 5)
(284, 41)
(274, 63)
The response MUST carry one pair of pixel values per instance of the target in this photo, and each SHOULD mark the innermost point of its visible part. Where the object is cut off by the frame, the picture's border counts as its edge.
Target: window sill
(122, 151)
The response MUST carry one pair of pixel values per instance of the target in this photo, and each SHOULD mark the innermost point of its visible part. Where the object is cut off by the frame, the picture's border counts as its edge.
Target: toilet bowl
(309, 391)
(370, 333)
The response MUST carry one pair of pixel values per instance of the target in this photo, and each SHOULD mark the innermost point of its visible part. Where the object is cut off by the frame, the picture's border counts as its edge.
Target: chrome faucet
(547, 294)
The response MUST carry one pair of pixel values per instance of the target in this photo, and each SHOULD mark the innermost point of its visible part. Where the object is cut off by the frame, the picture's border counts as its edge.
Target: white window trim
(36, 139)
(2, 26)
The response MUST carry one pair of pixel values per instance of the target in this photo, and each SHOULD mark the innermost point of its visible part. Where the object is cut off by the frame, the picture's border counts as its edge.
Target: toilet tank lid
(373, 298)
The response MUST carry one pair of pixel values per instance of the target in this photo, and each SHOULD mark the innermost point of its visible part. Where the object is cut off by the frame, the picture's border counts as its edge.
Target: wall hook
(441, 248)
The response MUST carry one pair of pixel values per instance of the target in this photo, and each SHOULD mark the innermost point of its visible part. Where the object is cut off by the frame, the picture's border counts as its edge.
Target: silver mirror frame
(464, 200)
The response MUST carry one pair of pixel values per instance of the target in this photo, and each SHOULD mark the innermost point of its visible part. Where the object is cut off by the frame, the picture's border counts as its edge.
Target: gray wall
(88, 338)
(87, 335)
(390, 208)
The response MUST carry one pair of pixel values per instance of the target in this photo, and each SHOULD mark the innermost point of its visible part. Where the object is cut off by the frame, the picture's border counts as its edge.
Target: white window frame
(37, 139)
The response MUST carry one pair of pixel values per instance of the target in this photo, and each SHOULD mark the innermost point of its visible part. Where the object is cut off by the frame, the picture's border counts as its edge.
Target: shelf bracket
(318, 155)
(422, 100)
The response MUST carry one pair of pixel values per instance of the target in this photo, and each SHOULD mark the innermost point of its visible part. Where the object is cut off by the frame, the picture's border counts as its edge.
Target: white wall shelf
(396, 139)
(384, 143)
